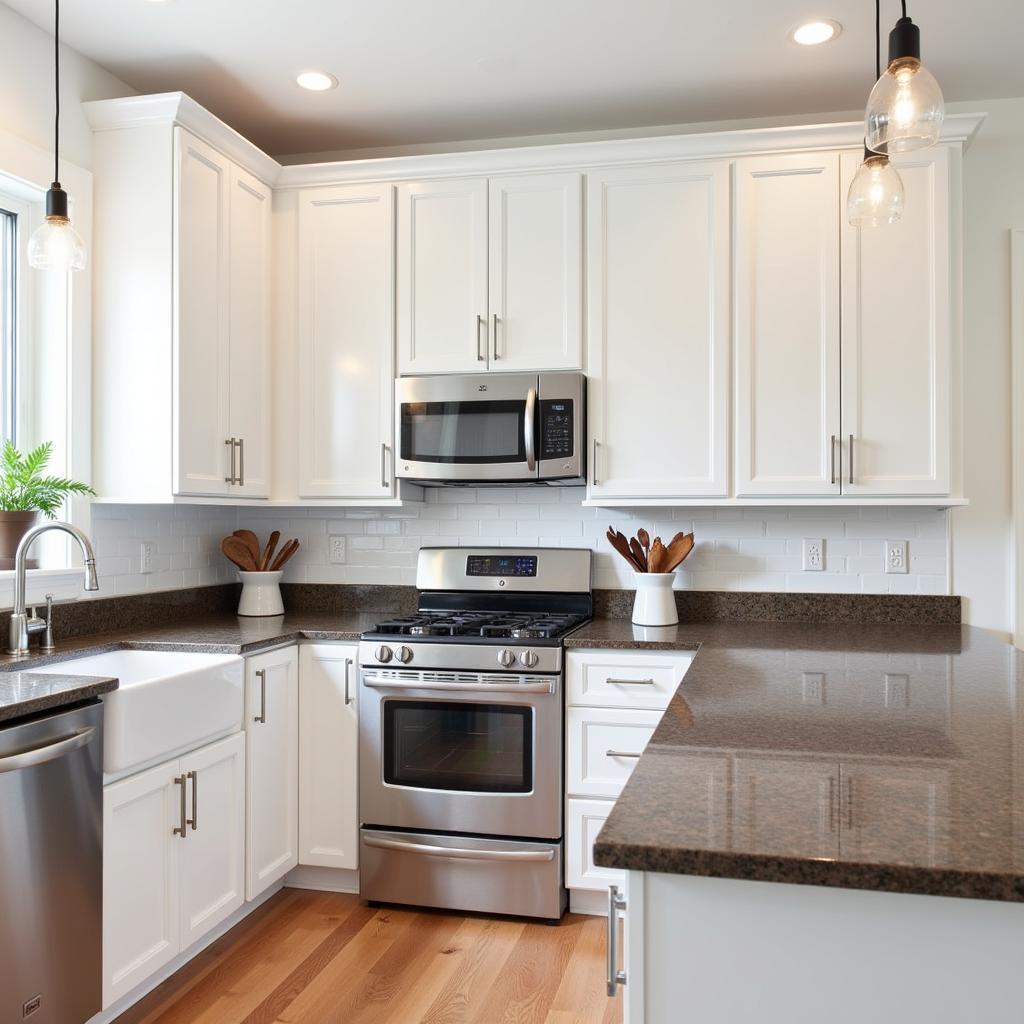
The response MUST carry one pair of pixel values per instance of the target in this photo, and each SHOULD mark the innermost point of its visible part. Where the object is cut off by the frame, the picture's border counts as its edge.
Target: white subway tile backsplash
(737, 549)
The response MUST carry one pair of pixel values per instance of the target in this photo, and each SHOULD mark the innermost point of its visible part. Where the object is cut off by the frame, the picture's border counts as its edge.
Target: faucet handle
(47, 644)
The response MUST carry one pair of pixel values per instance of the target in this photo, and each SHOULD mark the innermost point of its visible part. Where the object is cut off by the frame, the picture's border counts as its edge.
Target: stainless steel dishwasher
(51, 867)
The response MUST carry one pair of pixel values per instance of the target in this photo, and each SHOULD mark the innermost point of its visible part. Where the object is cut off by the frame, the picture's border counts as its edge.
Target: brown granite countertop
(25, 693)
(874, 757)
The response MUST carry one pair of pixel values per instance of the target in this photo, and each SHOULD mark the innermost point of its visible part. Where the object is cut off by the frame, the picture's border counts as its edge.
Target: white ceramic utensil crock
(655, 603)
(261, 593)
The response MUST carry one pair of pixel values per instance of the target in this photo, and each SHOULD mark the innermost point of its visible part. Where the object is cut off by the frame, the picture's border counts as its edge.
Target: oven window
(480, 748)
(463, 432)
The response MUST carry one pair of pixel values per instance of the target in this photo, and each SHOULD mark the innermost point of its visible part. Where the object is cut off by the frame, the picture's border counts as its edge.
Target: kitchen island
(826, 824)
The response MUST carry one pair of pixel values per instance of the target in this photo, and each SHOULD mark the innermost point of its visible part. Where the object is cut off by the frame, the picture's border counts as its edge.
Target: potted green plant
(25, 492)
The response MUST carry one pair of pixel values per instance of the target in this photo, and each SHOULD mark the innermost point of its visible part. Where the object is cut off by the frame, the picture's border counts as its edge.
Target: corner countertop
(24, 693)
(886, 757)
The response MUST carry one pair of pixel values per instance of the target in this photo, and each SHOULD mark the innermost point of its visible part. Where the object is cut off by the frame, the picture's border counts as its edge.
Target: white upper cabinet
(658, 351)
(442, 276)
(896, 327)
(536, 289)
(249, 332)
(346, 341)
(201, 336)
(490, 274)
(787, 325)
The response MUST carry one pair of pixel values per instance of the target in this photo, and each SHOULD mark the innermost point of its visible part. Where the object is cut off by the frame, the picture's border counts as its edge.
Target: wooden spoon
(638, 552)
(656, 563)
(252, 542)
(645, 542)
(238, 551)
(284, 554)
(681, 546)
(619, 542)
(268, 551)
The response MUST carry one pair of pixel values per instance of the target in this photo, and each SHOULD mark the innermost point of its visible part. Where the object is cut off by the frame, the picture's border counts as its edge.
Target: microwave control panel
(556, 428)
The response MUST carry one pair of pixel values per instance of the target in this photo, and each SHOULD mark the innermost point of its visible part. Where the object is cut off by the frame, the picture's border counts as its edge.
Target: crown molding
(178, 108)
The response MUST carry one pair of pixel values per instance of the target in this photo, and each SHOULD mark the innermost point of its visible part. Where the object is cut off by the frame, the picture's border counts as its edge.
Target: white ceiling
(431, 71)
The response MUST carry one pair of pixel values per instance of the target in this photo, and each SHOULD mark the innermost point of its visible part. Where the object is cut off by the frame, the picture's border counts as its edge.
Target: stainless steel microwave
(493, 428)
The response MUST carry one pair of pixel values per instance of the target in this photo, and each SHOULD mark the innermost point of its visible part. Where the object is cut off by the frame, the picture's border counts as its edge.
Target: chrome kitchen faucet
(23, 626)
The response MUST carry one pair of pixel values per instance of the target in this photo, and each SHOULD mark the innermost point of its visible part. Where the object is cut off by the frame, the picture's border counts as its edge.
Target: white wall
(26, 88)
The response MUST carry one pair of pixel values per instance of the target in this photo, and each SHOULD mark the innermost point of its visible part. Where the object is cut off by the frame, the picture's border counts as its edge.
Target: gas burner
(441, 628)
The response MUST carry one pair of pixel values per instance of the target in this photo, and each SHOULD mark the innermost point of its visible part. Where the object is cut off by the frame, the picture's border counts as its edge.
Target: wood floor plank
(325, 958)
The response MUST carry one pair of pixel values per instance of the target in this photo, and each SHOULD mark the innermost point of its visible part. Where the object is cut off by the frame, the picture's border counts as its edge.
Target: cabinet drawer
(625, 679)
(599, 746)
(583, 821)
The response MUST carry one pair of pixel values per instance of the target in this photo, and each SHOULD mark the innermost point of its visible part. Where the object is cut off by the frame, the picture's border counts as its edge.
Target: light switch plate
(814, 555)
(813, 687)
(147, 549)
(896, 556)
(336, 550)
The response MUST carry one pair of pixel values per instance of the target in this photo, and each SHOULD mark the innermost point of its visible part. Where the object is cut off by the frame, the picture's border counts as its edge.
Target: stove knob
(383, 653)
(528, 658)
(404, 655)
(506, 659)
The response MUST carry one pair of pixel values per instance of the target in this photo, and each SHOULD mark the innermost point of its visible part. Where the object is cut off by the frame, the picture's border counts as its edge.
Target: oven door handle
(376, 683)
(528, 432)
(423, 850)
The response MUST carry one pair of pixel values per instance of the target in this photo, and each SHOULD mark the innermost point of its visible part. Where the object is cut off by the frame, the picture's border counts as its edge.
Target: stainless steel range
(460, 733)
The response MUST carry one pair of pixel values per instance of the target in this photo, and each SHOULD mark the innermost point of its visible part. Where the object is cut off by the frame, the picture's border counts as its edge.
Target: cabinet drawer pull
(194, 820)
(384, 464)
(182, 829)
(481, 321)
(348, 672)
(594, 470)
(496, 356)
(616, 902)
(241, 461)
(261, 675)
(231, 446)
(851, 458)
(630, 682)
(621, 753)
(832, 458)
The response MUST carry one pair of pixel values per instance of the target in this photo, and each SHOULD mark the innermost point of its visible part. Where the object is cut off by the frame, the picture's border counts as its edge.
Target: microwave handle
(529, 439)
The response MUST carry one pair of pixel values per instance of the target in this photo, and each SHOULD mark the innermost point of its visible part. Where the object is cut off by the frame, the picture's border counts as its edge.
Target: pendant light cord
(878, 38)
(56, 90)
(904, 8)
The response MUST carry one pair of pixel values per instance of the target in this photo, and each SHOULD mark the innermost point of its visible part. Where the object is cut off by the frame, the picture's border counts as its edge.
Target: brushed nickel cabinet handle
(620, 753)
(261, 675)
(384, 464)
(348, 673)
(241, 461)
(851, 458)
(231, 446)
(194, 820)
(630, 682)
(480, 322)
(182, 829)
(594, 473)
(496, 356)
(832, 458)
(616, 902)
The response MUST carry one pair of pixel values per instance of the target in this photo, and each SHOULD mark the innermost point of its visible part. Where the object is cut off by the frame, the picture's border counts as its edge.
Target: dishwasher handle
(47, 752)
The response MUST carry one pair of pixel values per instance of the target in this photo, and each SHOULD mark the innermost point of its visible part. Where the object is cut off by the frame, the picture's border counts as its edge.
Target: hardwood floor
(324, 958)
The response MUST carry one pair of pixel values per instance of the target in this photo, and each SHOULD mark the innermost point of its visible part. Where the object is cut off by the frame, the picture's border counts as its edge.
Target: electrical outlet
(896, 556)
(337, 549)
(147, 549)
(897, 690)
(813, 687)
(814, 555)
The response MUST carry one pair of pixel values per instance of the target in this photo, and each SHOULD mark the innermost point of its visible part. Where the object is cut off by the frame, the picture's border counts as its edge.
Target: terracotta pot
(14, 526)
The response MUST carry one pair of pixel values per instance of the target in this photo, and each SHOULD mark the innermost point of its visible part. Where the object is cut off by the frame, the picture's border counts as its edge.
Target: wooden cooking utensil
(681, 546)
(268, 551)
(238, 551)
(619, 542)
(657, 561)
(284, 555)
(638, 552)
(252, 542)
(645, 542)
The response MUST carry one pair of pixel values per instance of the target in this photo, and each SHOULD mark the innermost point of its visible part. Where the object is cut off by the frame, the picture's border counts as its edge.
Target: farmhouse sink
(167, 702)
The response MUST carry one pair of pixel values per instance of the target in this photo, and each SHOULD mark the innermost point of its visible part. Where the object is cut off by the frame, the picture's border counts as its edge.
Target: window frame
(16, 378)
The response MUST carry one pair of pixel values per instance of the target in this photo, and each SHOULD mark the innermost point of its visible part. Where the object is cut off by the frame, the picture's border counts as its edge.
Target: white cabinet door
(140, 878)
(786, 807)
(603, 746)
(200, 372)
(658, 255)
(328, 756)
(249, 332)
(346, 331)
(787, 325)
(271, 768)
(897, 324)
(442, 276)
(624, 679)
(536, 272)
(212, 857)
(584, 819)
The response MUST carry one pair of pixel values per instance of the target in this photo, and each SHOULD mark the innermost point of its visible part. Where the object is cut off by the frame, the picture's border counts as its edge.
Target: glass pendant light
(876, 192)
(905, 108)
(55, 245)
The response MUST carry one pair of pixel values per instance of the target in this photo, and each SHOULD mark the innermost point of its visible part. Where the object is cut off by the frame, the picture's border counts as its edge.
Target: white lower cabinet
(583, 820)
(271, 768)
(328, 745)
(603, 748)
(174, 860)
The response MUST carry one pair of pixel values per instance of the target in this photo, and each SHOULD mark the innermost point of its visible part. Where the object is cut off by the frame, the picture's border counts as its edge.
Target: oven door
(461, 752)
(467, 428)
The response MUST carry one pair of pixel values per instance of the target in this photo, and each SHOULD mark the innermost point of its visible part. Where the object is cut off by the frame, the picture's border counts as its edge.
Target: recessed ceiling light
(316, 81)
(813, 33)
